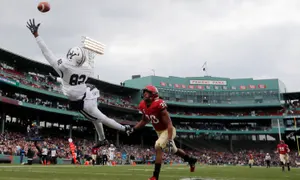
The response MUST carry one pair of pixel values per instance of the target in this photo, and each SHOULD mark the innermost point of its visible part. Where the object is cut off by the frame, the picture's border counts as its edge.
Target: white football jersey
(111, 150)
(73, 77)
(104, 152)
(44, 151)
(53, 152)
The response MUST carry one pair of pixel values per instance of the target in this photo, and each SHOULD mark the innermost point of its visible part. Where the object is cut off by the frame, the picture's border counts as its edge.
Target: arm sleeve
(50, 57)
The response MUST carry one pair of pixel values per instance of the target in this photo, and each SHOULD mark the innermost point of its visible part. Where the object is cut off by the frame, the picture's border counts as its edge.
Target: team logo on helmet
(71, 54)
(76, 55)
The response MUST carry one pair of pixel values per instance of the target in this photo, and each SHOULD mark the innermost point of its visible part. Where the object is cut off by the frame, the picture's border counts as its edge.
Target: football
(43, 7)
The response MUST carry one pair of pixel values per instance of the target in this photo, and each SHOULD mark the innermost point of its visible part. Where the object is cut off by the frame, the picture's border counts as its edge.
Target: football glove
(128, 130)
(32, 27)
(170, 146)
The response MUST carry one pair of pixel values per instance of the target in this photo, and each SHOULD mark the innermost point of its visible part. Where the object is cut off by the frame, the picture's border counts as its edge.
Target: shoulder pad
(160, 104)
(142, 104)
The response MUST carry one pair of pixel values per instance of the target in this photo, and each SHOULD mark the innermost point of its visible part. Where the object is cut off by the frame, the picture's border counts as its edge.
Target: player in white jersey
(268, 160)
(111, 151)
(104, 156)
(74, 73)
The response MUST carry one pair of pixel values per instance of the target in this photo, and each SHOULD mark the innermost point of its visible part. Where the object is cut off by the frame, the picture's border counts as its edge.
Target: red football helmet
(282, 142)
(153, 92)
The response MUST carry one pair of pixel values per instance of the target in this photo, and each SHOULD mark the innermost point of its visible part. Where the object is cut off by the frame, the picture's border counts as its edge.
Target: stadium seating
(210, 152)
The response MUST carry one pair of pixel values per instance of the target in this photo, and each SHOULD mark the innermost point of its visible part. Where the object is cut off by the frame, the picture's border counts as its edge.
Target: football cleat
(128, 130)
(152, 178)
(101, 143)
(192, 163)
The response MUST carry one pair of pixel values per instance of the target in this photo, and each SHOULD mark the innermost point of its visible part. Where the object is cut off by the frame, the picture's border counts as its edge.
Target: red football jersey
(250, 156)
(282, 148)
(153, 113)
(95, 151)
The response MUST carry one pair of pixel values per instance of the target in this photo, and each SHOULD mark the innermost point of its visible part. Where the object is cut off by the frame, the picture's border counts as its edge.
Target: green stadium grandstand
(214, 91)
(262, 103)
(208, 112)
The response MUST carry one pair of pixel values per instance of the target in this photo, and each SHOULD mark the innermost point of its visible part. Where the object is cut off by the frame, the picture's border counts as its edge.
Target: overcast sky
(238, 38)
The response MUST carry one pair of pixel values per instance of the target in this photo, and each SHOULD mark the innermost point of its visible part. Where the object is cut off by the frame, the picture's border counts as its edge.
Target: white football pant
(91, 112)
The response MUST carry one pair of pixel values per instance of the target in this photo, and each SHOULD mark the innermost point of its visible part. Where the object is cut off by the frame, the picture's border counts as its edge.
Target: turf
(68, 172)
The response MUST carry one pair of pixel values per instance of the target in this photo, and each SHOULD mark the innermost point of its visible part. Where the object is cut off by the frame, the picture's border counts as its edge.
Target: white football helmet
(76, 56)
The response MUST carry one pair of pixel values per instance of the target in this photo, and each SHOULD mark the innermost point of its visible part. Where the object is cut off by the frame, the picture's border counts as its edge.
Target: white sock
(94, 114)
(99, 128)
(108, 121)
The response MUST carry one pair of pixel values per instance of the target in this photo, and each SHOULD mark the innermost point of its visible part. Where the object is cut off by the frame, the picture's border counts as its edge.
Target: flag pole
(204, 68)
(279, 133)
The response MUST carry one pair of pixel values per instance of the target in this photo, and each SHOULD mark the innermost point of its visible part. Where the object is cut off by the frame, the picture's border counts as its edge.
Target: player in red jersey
(94, 155)
(155, 110)
(251, 160)
(283, 150)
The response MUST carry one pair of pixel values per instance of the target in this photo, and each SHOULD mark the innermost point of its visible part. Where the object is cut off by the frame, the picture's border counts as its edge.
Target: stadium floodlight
(92, 46)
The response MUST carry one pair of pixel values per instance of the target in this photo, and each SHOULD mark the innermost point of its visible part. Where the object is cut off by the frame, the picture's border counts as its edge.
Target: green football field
(175, 172)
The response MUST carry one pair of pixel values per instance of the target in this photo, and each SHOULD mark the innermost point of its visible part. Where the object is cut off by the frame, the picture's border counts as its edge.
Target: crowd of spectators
(198, 126)
(190, 112)
(222, 127)
(12, 143)
(124, 102)
(45, 82)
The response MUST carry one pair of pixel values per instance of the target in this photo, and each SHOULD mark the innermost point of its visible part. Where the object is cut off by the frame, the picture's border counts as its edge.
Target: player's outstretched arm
(142, 123)
(50, 57)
